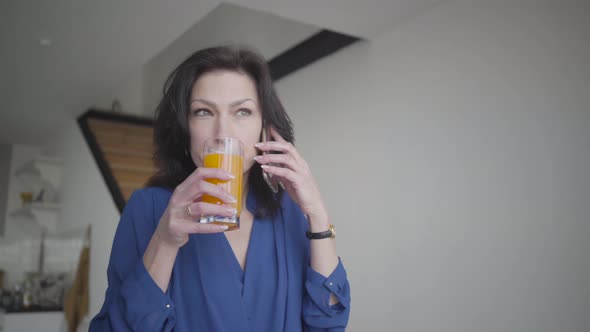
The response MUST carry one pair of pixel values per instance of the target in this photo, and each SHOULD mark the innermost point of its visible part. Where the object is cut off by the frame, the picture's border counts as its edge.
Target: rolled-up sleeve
(318, 314)
(133, 301)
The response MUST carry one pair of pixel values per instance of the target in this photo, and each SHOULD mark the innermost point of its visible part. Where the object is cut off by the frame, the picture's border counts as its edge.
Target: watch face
(333, 230)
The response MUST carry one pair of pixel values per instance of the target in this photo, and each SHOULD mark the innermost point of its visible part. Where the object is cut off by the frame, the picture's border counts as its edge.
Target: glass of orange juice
(226, 153)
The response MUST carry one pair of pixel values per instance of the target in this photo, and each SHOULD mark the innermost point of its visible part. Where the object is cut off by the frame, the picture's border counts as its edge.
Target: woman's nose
(223, 127)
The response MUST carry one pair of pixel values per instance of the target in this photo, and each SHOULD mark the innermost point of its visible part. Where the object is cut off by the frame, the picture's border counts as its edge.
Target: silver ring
(188, 210)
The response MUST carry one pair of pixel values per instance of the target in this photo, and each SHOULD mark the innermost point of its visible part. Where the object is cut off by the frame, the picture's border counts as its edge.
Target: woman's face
(224, 103)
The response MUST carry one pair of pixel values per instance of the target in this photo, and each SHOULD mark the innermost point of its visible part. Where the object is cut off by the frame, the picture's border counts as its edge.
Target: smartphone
(272, 181)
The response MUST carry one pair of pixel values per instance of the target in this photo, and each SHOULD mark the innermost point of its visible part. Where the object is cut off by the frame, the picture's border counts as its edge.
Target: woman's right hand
(184, 210)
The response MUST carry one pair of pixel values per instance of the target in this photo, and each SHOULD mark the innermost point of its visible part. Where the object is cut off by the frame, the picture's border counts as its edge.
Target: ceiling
(97, 45)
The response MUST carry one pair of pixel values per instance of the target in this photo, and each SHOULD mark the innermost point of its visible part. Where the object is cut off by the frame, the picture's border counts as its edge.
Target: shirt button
(167, 306)
(330, 284)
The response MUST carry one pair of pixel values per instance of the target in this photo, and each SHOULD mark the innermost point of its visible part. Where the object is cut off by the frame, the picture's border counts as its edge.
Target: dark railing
(311, 49)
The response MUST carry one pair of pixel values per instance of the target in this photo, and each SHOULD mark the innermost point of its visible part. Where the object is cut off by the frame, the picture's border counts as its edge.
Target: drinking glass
(226, 153)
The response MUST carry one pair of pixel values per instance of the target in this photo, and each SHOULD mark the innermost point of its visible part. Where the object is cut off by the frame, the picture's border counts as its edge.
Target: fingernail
(223, 228)
(256, 158)
(264, 166)
(258, 145)
(232, 199)
(231, 176)
(232, 211)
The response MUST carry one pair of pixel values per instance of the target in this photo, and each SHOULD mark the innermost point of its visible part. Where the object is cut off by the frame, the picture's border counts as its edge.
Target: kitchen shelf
(41, 206)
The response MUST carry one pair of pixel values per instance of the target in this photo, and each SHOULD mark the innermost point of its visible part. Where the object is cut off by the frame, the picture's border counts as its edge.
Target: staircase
(122, 146)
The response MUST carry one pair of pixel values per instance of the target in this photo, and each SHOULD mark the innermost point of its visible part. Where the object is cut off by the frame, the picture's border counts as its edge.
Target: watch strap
(321, 235)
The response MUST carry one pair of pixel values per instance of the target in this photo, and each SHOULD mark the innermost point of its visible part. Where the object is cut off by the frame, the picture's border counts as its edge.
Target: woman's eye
(201, 112)
(243, 112)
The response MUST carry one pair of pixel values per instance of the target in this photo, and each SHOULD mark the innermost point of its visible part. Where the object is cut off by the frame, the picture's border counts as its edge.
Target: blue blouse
(208, 291)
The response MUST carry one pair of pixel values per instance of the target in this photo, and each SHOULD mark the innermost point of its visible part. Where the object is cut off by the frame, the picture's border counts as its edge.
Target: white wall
(454, 155)
(129, 93)
(87, 201)
(226, 24)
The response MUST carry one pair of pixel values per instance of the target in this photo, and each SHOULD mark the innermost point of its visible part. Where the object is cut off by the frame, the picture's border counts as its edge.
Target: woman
(169, 272)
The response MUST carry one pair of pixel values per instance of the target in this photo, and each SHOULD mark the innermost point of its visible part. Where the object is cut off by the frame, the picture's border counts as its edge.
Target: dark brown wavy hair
(171, 133)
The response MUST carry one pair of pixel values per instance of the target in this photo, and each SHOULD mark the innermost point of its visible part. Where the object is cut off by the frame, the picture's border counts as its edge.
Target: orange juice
(233, 164)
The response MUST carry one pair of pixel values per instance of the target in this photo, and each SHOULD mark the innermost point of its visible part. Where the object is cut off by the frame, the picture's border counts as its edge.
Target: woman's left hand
(294, 174)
